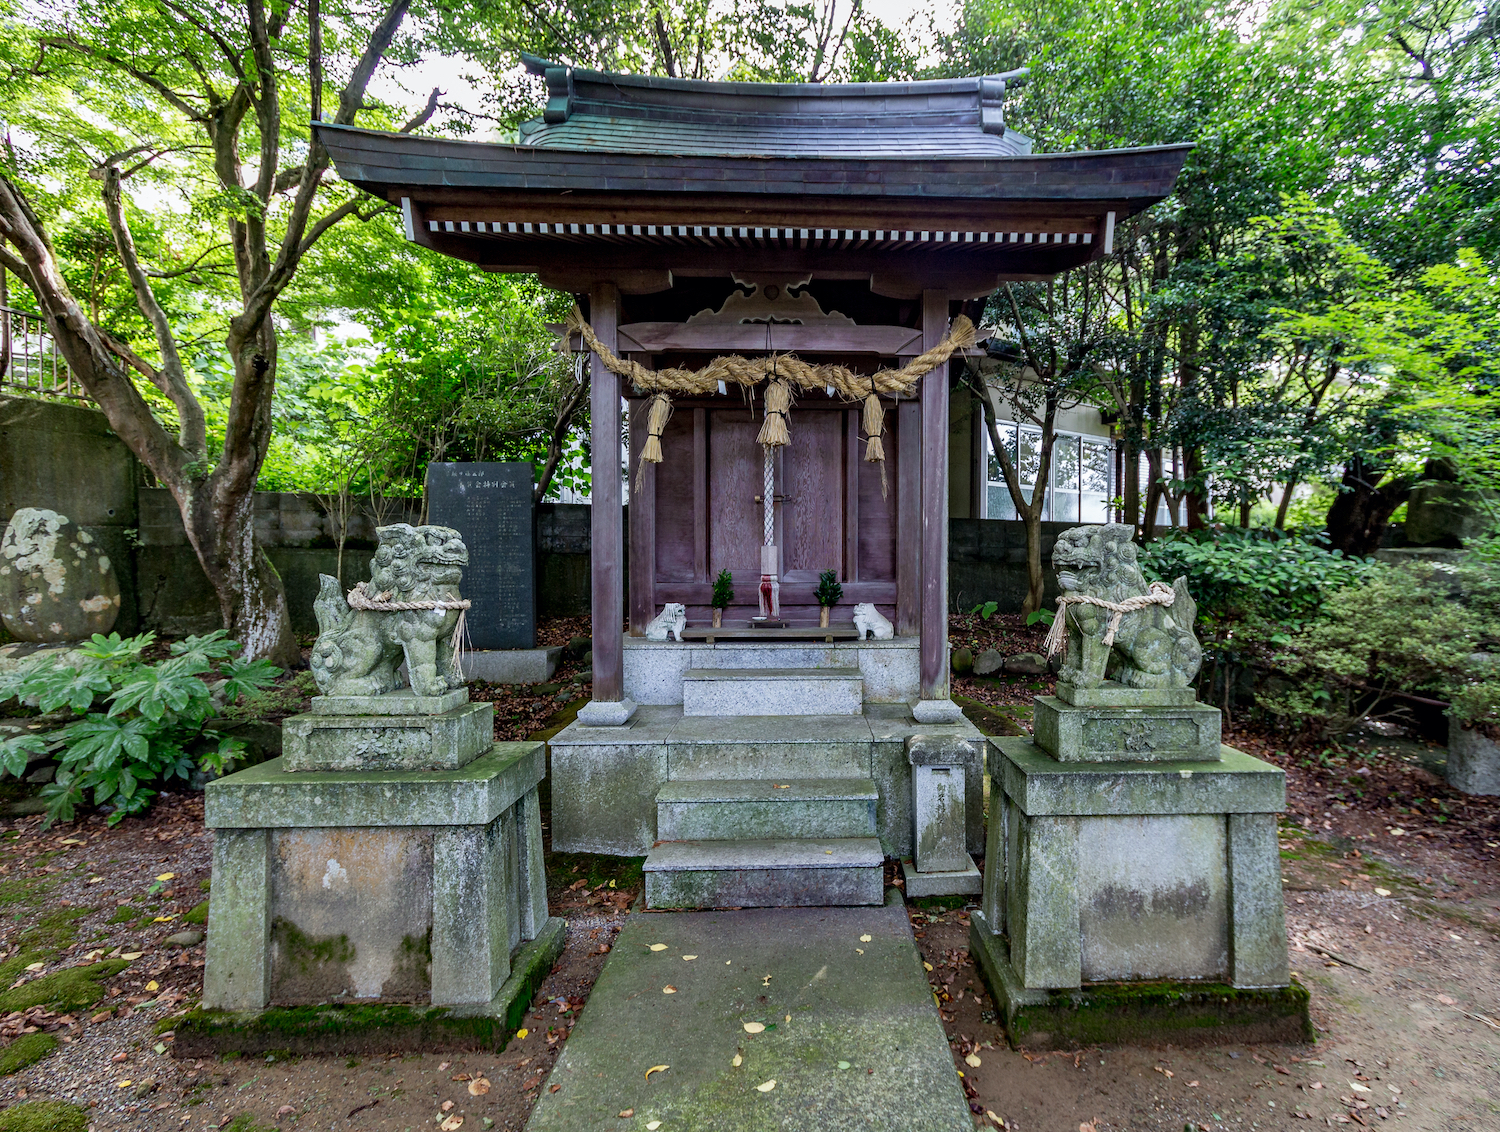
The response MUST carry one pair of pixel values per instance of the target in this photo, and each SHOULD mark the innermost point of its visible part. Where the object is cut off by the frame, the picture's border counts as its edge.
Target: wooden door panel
(735, 472)
(675, 482)
(813, 484)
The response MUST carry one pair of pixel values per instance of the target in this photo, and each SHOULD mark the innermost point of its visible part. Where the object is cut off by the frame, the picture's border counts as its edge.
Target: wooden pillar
(933, 596)
(608, 551)
(908, 514)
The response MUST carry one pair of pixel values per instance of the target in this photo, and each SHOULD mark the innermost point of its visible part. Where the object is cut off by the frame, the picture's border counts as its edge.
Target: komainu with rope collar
(410, 610)
(1115, 625)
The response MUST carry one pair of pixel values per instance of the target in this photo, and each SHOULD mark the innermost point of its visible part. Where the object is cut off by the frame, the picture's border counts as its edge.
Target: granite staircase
(774, 805)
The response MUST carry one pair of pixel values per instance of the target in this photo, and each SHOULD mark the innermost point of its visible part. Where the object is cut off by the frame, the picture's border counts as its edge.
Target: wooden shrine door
(699, 511)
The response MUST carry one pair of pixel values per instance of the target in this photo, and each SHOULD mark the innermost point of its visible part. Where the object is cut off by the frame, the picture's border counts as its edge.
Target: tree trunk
(1362, 511)
(1036, 579)
(252, 599)
(1154, 493)
(1197, 495)
(1286, 502)
(1130, 486)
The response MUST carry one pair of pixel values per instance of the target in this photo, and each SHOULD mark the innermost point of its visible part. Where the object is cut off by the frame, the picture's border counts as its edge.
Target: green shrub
(1257, 577)
(43, 1116)
(153, 722)
(26, 1050)
(1399, 634)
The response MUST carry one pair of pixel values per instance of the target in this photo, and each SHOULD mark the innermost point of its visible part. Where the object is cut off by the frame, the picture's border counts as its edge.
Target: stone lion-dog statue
(1117, 627)
(408, 610)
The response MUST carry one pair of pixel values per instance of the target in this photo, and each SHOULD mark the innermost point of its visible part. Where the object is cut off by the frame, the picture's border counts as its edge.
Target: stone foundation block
(365, 886)
(955, 882)
(1123, 734)
(319, 741)
(1152, 1013)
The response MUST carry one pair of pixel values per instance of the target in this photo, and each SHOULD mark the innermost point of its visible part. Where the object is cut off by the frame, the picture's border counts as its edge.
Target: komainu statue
(410, 608)
(1117, 627)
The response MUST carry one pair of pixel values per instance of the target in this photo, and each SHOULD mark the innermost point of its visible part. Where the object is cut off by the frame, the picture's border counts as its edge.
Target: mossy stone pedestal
(1134, 898)
(394, 881)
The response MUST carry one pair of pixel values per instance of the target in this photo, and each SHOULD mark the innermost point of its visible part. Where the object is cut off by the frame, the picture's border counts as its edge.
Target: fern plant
(137, 723)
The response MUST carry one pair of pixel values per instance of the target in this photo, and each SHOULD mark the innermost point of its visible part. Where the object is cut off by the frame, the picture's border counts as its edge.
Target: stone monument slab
(490, 505)
(56, 582)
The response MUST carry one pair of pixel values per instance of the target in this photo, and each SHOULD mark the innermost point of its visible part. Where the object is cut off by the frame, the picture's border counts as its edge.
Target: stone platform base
(1182, 1013)
(372, 1028)
(959, 882)
(511, 666)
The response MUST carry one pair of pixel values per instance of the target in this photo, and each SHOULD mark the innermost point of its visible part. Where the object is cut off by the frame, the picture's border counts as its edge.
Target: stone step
(767, 747)
(777, 873)
(726, 809)
(772, 691)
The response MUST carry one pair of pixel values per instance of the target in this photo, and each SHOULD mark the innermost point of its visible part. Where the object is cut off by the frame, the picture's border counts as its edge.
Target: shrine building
(773, 278)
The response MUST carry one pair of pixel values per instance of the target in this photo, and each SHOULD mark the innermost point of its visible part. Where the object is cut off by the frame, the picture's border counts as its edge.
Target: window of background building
(1082, 470)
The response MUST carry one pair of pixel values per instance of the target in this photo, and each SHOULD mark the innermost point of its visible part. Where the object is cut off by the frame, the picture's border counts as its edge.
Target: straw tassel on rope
(773, 431)
(659, 411)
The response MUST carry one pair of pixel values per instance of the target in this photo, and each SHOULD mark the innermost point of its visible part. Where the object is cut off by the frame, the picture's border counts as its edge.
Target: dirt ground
(1393, 912)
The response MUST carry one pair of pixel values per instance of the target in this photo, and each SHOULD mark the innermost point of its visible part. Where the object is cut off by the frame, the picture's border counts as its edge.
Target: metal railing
(29, 361)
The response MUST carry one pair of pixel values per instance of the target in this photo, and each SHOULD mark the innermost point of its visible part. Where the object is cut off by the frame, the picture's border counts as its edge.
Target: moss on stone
(55, 931)
(43, 1116)
(26, 1050)
(197, 914)
(13, 969)
(124, 914)
(245, 1122)
(24, 890)
(68, 989)
(1182, 1013)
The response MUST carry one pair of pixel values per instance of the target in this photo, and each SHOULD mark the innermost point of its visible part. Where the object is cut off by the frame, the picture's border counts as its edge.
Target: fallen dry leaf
(754, 1027)
(766, 1086)
(166, 876)
(737, 1061)
(626, 1114)
(866, 938)
(285, 1110)
(1165, 1072)
(153, 985)
(658, 947)
(454, 1121)
(522, 1032)
(1446, 1001)
(132, 955)
(1192, 1084)
(669, 989)
(656, 1069)
(446, 1106)
(479, 1086)
(652, 1125)
(35, 966)
(972, 1061)
(926, 965)
(688, 958)
(1358, 1088)
(1382, 892)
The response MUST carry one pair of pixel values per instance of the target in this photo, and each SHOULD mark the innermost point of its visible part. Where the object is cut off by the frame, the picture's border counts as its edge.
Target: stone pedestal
(402, 864)
(946, 783)
(1473, 760)
(1118, 886)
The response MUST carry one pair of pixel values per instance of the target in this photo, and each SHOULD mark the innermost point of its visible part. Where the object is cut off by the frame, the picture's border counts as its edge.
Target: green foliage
(985, 609)
(1398, 632)
(1041, 616)
(1242, 576)
(137, 723)
(828, 590)
(723, 590)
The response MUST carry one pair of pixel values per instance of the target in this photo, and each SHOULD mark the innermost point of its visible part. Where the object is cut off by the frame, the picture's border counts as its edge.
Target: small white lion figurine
(672, 619)
(867, 619)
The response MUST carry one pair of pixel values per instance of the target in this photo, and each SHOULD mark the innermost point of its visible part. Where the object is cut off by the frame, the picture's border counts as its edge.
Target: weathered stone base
(1182, 1013)
(1075, 734)
(512, 666)
(959, 882)
(370, 1028)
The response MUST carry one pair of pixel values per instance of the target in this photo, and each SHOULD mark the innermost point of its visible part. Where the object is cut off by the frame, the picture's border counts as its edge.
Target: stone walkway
(781, 1018)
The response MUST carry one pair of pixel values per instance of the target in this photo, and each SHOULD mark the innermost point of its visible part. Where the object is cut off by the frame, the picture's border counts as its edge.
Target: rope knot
(1158, 593)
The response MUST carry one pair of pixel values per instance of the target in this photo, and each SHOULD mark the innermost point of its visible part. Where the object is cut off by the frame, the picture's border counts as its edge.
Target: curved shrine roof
(593, 110)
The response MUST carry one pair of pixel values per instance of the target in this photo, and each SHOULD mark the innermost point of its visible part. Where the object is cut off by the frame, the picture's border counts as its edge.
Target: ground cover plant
(132, 723)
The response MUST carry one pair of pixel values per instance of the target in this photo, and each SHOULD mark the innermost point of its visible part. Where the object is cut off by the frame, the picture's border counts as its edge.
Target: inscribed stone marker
(490, 505)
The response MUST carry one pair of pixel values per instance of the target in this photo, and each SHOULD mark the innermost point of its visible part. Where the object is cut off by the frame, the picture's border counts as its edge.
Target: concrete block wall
(63, 457)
